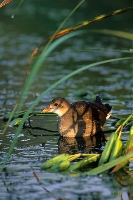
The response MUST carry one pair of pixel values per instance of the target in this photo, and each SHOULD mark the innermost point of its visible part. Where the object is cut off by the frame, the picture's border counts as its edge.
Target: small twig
(38, 180)
(35, 175)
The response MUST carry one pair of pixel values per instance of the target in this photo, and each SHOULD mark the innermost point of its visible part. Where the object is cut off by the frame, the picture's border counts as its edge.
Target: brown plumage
(79, 119)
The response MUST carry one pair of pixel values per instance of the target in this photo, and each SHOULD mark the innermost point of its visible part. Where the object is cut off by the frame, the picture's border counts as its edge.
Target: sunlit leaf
(110, 164)
(15, 122)
(122, 163)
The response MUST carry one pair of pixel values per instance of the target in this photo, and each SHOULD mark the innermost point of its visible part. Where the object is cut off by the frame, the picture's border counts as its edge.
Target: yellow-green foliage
(107, 149)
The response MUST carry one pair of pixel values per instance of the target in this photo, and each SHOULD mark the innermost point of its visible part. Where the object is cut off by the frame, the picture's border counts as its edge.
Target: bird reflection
(80, 144)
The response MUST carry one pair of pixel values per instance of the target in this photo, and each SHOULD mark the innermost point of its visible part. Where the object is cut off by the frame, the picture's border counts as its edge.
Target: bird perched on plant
(79, 119)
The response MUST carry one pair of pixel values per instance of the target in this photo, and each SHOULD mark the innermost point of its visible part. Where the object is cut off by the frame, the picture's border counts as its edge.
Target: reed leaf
(116, 150)
(108, 149)
(116, 33)
(119, 122)
(81, 25)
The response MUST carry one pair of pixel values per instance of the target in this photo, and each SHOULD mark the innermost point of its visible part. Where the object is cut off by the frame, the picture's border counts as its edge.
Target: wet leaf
(129, 124)
(123, 163)
(80, 93)
(107, 149)
(110, 164)
(131, 131)
(64, 165)
(54, 162)
(116, 150)
(82, 163)
(119, 122)
(15, 122)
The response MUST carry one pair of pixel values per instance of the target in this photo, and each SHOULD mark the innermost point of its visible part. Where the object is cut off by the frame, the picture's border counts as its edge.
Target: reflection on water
(18, 37)
(80, 145)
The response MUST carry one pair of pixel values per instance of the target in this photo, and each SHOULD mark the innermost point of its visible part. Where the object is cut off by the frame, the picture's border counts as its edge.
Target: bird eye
(56, 104)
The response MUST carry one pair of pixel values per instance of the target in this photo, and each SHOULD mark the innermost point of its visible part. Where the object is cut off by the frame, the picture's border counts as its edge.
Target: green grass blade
(121, 34)
(50, 39)
(119, 122)
(40, 61)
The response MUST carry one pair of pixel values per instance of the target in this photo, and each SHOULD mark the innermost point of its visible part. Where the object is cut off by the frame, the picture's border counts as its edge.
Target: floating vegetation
(115, 156)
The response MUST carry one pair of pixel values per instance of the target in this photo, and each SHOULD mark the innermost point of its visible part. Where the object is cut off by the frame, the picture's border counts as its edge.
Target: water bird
(79, 119)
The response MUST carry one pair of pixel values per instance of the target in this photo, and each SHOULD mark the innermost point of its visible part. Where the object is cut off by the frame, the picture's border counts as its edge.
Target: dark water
(33, 22)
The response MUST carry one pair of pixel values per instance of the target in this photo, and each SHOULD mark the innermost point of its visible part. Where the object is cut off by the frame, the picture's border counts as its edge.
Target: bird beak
(45, 110)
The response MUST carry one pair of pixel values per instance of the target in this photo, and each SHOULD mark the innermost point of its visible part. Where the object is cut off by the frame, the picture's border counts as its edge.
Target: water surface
(32, 24)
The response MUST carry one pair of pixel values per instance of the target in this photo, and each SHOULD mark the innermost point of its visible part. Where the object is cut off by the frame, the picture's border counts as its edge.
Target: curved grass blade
(40, 61)
(50, 39)
(129, 124)
(82, 24)
(121, 34)
(48, 90)
(119, 122)
(105, 49)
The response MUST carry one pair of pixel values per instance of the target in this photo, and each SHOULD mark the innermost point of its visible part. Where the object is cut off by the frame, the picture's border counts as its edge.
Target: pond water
(33, 22)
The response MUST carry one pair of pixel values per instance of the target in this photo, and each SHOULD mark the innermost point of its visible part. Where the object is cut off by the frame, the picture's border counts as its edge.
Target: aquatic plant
(115, 154)
(51, 45)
